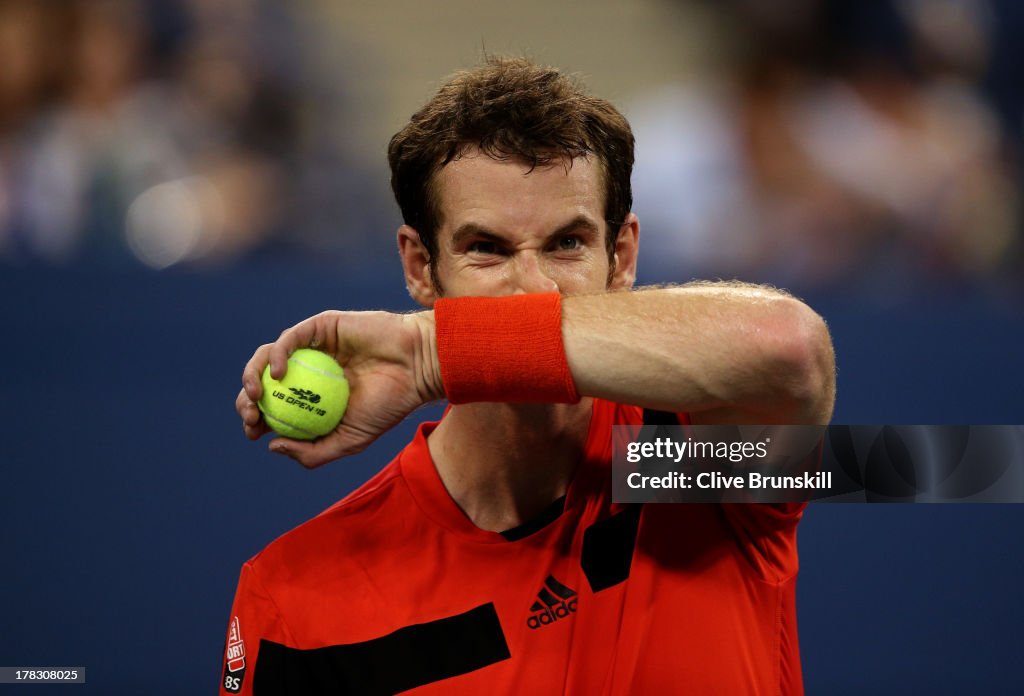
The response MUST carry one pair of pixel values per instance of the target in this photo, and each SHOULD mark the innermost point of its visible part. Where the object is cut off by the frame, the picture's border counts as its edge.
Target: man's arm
(723, 352)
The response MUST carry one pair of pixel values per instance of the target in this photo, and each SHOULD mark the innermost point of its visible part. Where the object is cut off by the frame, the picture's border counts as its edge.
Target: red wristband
(506, 349)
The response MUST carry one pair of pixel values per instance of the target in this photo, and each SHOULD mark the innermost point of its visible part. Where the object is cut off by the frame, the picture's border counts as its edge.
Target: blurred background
(182, 179)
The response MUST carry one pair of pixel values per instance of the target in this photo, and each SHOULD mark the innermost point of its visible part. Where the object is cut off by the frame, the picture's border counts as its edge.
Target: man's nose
(531, 275)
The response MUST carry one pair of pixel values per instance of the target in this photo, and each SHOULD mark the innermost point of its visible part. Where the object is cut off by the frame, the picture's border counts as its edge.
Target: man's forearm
(721, 351)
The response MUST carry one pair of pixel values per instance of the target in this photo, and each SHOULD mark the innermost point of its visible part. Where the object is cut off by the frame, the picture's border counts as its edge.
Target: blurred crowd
(841, 144)
(828, 144)
(165, 132)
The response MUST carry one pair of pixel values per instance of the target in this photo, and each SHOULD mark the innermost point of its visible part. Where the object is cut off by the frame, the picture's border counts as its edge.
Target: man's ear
(627, 246)
(416, 265)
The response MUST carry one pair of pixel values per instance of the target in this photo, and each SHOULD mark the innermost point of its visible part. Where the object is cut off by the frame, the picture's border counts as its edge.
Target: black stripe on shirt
(546, 517)
(409, 657)
(608, 548)
(652, 417)
(608, 545)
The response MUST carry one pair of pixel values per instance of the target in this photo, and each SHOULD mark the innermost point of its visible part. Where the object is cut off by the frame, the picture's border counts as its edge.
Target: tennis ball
(311, 399)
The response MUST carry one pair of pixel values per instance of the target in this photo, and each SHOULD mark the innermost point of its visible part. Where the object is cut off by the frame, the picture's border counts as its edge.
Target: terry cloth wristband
(503, 349)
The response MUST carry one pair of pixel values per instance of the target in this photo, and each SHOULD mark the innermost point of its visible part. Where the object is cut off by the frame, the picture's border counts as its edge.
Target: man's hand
(390, 361)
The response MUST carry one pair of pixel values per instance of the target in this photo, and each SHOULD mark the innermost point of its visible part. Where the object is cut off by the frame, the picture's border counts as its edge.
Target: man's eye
(483, 247)
(569, 243)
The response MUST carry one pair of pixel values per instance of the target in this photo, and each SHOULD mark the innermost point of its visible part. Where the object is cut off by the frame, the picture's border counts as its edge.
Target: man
(488, 556)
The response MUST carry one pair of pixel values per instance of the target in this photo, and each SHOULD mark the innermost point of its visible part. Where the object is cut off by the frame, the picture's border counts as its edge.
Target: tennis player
(488, 557)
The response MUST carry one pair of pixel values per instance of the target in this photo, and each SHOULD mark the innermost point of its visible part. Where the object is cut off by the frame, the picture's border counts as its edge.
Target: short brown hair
(510, 108)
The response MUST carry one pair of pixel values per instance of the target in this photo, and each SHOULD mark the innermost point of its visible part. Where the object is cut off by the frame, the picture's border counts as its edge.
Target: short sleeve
(254, 617)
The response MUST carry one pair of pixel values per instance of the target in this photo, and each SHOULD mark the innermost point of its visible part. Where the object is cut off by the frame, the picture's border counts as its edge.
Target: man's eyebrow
(471, 229)
(580, 223)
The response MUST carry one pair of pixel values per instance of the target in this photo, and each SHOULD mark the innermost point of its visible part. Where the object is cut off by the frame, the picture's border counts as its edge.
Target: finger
(309, 454)
(255, 432)
(300, 451)
(278, 359)
(252, 419)
(241, 401)
(249, 412)
(313, 454)
(252, 371)
(302, 335)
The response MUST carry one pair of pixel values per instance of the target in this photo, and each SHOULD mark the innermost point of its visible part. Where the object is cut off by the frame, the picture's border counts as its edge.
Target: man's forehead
(478, 180)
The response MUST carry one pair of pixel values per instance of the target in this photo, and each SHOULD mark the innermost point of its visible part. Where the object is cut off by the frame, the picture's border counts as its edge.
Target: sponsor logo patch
(234, 658)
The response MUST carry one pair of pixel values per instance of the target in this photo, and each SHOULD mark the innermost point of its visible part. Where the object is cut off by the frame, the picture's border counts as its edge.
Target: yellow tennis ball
(311, 399)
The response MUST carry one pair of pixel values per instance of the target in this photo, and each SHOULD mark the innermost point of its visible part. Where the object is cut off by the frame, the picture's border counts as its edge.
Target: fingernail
(281, 449)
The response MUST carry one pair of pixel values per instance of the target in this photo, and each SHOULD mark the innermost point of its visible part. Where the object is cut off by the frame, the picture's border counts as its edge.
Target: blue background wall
(129, 497)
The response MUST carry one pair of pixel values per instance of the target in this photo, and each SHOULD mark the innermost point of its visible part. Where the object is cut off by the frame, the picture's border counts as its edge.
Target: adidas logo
(554, 601)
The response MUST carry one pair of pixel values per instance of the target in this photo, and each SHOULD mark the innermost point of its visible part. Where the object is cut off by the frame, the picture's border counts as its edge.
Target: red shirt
(395, 589)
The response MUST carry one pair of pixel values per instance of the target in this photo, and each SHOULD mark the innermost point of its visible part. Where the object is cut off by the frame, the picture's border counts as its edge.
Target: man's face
(507, 230)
